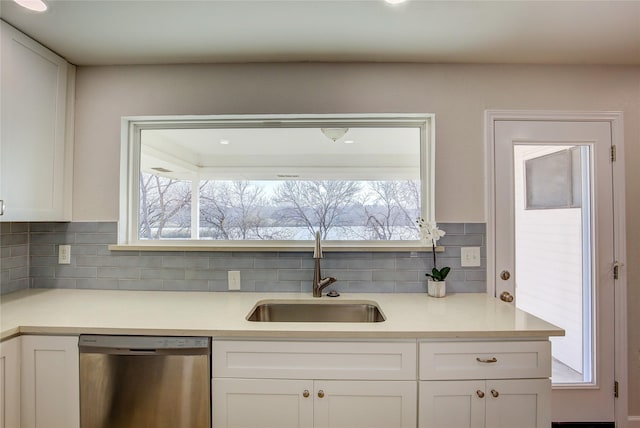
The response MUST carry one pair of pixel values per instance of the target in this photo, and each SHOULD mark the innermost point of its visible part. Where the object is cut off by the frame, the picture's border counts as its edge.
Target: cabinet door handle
(480, 394)
(495, 393)
(305, 394)
(321, 394)
(487, 360)
(1, 206)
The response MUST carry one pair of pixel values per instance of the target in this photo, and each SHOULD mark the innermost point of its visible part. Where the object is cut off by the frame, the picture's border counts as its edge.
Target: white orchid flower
(430, 231)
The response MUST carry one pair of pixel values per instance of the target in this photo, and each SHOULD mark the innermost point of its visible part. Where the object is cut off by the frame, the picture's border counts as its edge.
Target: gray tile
(15, 262)
(348, 274)
(52, 238)
(386, 275)
(96, 238)
(19, 273)
(15, 239)
(186, 262)
(332, 263)
(20, 227)
(41, 271)
(414, 263)
(376, 264)
(191, 274)
(476, 275)
(480, 228)
(259, 274)
(295, 274)
(54, 283)
(43, 260)
(97, 283)
(461, 240)
(137, 284)
(218, 285)
(278, 286)
(119, 273)
(84, 250)
(231, 263)
(66, 271)
(193, 285)
(5, 252)
(277, 263)
(369, 286)
(162, 274)
(43, 250)
(411, 287)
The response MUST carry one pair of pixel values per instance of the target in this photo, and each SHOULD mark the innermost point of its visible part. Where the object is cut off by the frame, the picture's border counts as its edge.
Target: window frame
(130, 172)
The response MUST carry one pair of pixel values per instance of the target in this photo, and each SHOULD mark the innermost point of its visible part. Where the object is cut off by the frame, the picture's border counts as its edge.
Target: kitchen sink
(306, 311)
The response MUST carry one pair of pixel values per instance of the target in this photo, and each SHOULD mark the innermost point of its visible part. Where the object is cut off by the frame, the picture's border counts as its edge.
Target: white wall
(457, 94)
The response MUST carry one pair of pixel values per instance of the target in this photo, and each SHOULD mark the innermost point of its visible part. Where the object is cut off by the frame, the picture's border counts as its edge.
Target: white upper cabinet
(36, 146)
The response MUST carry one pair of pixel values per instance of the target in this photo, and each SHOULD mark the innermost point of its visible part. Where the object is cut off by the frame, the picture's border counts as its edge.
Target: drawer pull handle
(305, 394)
(487, 360)
(480, 394)
(321, 394)
(495, 393)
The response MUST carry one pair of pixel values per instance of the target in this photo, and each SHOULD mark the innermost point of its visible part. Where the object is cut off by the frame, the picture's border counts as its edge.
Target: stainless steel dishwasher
(145, 381)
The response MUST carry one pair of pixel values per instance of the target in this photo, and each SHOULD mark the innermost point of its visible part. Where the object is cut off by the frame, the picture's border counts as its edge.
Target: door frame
(615, 118)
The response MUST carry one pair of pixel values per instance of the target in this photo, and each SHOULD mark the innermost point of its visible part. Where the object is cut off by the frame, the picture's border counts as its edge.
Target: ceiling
(98, 32)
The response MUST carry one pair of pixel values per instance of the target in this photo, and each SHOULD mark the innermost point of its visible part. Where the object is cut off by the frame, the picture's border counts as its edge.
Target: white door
(262, 403)
(50, 382)
(452, 404)
(554, 249)
(10, 383)
(518, 403)
(365, 404)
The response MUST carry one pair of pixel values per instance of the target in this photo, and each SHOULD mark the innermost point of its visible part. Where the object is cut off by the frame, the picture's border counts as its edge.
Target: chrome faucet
(319, 283)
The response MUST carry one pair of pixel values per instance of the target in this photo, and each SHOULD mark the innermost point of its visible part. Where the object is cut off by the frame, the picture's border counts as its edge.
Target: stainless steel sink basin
(303, 311)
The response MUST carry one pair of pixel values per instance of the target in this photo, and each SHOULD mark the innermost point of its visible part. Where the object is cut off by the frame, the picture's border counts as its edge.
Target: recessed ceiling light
(35, 5)
(224, 142)
(349, 141)
(395, 1)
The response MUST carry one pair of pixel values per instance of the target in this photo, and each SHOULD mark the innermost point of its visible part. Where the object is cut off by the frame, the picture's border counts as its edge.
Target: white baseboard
(634, 422)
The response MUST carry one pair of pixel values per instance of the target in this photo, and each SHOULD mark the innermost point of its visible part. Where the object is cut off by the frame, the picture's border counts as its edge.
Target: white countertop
(60, 311)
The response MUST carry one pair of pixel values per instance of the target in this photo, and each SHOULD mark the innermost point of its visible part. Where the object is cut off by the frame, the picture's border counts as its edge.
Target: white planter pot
(436, 288)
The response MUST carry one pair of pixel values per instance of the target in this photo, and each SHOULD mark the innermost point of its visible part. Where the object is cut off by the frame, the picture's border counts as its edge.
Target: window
(252, 182)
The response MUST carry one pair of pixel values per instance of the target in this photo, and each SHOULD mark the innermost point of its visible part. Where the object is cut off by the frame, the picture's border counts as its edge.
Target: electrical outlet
(470, 256)
(64, 254)
(234, 279)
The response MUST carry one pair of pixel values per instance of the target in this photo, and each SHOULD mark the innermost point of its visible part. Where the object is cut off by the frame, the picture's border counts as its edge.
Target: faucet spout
(319, 283)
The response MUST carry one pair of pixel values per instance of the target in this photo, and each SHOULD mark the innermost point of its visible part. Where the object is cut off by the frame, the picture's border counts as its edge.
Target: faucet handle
(317, 250)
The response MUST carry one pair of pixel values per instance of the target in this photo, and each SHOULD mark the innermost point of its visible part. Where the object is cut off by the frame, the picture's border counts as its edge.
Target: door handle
(505, 275)
(505, 296)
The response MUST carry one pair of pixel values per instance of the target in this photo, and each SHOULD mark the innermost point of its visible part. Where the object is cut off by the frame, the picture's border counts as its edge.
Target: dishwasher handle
(144, 345)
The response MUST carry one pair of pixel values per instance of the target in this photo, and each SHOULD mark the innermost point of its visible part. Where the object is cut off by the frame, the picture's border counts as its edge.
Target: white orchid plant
(430, 233)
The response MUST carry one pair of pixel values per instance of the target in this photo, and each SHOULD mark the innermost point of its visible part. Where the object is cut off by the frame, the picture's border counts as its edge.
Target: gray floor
(562, 373)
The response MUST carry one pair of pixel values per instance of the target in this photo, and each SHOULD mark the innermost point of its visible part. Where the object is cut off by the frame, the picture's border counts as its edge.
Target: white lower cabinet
(522, 403)
(10, 383)
(485, 384)
(314, 384)
(280, 403)
(50, 391)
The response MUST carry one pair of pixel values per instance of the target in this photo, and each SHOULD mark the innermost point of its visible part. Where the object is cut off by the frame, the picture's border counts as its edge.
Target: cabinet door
(35, 163)
(453, 404)
(262, 403)
(10, 383)
(50, 382)
(365, 404)
(522, 403)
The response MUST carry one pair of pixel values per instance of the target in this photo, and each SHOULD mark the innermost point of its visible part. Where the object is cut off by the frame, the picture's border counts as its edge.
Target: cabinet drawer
(314, 360)
(484, 360)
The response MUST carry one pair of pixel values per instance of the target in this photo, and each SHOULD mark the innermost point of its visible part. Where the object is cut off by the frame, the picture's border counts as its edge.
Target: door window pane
(553, 250)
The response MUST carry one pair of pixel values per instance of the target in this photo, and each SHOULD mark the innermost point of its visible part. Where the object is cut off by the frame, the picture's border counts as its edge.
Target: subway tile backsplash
(30, 259)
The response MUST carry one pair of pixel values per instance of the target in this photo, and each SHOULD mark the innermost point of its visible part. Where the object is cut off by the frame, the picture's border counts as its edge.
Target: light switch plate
(64, 254)
(470, 256)
(234, 279)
